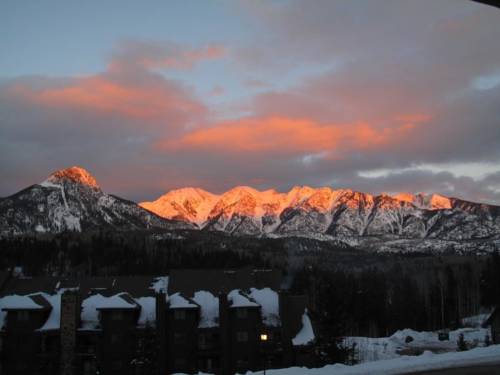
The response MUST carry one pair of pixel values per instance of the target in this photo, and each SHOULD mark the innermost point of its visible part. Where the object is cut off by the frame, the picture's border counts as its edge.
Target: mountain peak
(73, 174)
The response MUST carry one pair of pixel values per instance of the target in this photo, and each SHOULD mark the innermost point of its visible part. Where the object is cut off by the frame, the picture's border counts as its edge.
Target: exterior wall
(182, 339)
(245, 354)
(209, 350)
(117, 342)
(21, 342)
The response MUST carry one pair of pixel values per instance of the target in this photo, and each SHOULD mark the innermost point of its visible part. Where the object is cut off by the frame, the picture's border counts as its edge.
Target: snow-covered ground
(402, 365)
(374, 349)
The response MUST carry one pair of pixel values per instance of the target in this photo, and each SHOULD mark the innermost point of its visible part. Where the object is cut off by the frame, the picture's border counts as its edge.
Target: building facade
(215, 321)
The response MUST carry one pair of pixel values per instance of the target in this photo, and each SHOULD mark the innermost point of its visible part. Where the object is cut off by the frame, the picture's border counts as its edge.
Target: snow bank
(236, 298)
(402, 365)
(209, 305)
(306, 334)
(268, 299)
(177, 301)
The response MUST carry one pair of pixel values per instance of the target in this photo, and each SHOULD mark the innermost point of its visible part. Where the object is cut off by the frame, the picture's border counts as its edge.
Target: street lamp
(263, 339)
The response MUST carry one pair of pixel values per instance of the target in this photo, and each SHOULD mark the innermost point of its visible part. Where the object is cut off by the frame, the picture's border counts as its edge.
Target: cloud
(105, 122)
(281, 135)
(139, 54)
(397, 87)
(137, 96)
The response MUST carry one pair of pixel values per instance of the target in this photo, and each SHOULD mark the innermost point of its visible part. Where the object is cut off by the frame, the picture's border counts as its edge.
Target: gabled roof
(238, 298)
(179, 301)
(122, 301)
(30, 302)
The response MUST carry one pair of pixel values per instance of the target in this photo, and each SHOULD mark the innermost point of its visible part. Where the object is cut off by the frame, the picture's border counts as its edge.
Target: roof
(122, 301)
(179, 301)
(493, 316)
(30, 302)
(135, 286)
(216, 281)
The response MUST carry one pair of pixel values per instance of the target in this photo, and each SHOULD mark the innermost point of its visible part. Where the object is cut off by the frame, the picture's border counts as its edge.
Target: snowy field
(374, 349)
(402, 365)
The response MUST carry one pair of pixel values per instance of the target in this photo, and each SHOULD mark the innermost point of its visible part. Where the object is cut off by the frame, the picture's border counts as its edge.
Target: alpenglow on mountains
(71, 200)
(323, 211)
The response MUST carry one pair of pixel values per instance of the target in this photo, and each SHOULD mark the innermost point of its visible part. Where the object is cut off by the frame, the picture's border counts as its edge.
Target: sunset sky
(376, 96)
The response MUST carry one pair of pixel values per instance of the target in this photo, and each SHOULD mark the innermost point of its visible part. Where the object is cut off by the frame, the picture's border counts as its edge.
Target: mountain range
(71, 199)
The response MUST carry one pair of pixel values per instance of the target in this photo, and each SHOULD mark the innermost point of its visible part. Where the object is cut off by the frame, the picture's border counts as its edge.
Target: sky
(376, 96)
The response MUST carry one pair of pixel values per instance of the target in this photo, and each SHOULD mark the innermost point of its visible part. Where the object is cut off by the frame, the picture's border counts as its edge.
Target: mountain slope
(71, 200)
(344, 214)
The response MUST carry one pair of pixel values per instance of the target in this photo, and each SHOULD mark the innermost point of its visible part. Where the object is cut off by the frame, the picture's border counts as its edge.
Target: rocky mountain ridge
(327, 213)
(71, 200)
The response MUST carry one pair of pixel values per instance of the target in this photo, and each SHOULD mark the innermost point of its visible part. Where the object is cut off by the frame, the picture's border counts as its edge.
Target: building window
(23, 315)
(116, 365)
(179, 314)
(115, 338)
(241, 313)
(179, 338)
(116, 315)
(242, 364)
(179, 363)
(242, 336)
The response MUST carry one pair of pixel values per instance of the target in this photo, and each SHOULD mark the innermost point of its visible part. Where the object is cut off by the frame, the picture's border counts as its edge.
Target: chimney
(69, 323)
(284, 311)
(225, 333)
(161, 331)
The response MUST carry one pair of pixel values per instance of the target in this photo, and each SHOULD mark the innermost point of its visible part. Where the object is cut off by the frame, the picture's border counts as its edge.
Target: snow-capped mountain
(344, 214)
(71, 200)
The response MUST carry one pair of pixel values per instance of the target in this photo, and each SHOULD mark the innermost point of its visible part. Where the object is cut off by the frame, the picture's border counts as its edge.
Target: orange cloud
(282, 134)
(102, 94)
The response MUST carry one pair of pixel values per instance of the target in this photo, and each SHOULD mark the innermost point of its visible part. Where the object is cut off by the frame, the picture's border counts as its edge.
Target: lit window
(263, 337)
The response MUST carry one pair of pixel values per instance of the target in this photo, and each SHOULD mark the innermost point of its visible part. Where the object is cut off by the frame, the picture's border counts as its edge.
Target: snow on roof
(160, 284)
(17, 302)
(268, 299)
(177, 301)
(54, 319)
(306, 334)
(147, 316)
(209, 305)
(237, 298)
(91, 305)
